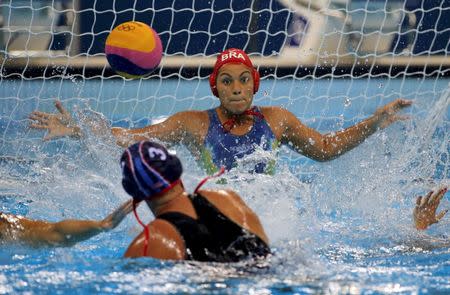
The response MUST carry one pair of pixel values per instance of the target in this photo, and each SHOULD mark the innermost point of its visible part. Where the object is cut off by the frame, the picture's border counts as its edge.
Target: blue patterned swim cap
(149, 170)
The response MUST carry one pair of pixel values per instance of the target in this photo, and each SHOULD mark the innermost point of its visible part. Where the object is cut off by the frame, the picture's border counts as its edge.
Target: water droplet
(311, 141)
(266, 93)
(347, 102)
(380, 85)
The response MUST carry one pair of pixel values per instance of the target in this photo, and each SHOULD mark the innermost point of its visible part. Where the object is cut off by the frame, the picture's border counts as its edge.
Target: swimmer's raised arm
(57, 124)
(69, 232)
(182, 127)
(425, 211)
(62, 233)
(324, 147)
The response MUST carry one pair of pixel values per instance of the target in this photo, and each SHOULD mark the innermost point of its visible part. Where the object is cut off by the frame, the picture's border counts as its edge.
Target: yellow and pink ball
(133, 49)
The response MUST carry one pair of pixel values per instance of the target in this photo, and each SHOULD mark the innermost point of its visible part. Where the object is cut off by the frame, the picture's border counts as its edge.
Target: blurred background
(298, 37)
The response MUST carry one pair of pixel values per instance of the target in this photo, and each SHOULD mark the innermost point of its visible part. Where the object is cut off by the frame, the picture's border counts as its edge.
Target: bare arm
(185, 127)
(425, 211)
(69, 232)
(313, 144)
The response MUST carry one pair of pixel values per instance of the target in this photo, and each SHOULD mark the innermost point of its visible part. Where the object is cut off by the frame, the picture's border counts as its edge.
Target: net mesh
(332, 63)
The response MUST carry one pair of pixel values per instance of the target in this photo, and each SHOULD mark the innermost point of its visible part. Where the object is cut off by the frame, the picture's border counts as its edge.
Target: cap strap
(146, 230)
(204, 180)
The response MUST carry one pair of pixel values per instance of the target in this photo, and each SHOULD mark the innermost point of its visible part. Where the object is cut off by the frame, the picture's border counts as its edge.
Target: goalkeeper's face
(235, 87)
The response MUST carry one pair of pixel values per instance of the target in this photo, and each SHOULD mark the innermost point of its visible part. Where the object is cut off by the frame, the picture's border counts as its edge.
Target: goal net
(331, 63)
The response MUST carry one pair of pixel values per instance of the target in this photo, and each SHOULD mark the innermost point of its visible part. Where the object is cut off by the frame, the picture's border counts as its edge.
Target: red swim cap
(232, 55)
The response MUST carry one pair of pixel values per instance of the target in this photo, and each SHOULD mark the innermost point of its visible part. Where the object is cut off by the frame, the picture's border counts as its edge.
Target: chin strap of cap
(230, 123)
(146, 230)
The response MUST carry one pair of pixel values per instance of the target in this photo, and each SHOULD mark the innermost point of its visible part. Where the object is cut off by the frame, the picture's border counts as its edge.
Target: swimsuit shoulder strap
(213, 117)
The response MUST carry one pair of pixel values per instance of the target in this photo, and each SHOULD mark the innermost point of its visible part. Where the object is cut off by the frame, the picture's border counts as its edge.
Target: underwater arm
(425, 211)
(326, 147)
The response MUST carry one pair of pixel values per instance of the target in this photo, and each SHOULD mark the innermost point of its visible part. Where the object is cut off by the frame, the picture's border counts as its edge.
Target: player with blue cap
(209, 225)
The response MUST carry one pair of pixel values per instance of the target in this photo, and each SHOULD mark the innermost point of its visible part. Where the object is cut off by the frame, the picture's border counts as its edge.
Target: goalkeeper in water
(236, 128)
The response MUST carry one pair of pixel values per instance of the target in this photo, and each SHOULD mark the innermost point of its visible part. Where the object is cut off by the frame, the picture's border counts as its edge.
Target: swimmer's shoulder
(232, 206)
(277, 113)
(191, 115)
(194, 122)
(222, 197)
(278, 119)
(165, 242)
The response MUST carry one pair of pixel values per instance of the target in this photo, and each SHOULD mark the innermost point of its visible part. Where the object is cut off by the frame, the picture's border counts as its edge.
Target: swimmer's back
(232, 206)
(176, 233)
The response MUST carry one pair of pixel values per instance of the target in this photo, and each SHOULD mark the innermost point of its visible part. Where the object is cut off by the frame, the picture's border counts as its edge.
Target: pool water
(343, 226)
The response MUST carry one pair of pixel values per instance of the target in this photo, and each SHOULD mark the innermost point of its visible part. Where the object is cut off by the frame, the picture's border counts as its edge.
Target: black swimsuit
(213, 236)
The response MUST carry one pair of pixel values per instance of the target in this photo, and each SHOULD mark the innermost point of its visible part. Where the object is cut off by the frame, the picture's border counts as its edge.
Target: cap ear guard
(131, 189)
(212, 84)
(130, 186)
(256, 79)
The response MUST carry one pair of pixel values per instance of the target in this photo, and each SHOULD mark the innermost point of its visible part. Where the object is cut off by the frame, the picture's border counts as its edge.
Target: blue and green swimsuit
(222, 148)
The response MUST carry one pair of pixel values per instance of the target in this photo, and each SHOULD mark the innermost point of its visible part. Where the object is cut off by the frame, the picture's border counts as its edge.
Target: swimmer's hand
(114, 219)
(386, 115)
(57, 124)
(425, 211)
